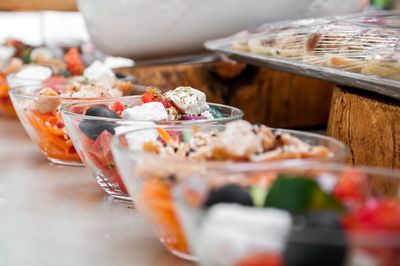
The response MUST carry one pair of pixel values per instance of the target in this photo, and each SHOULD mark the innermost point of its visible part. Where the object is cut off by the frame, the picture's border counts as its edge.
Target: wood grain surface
(369, 125)
(275, 98)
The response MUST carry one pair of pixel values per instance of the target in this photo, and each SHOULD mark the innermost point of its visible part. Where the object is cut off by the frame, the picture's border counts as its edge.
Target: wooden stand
(266, 96)
(369, 125)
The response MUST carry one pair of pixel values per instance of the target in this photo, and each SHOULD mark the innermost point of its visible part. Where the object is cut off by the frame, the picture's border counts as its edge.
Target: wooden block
(266, 96)
(64, 5)
(369, 125)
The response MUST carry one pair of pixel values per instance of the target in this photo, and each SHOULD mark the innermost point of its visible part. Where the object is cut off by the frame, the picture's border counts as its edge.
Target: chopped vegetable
(164, 135)
(74, 61)
(258, 195)
(298, 194)
(215, 113)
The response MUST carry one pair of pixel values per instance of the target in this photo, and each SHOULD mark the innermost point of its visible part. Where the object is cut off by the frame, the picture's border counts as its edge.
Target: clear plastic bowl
(96, 151)
(354, 242)
(43, 122)
(149, 177)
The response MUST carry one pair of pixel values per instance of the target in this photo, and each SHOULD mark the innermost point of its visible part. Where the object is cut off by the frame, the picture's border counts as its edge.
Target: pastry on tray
(384, 63)
(288, 43)
(339, 45)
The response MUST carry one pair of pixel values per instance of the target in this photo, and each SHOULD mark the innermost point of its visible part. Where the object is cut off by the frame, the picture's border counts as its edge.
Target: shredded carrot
(164, 135)
(51, 137)
(157, 205)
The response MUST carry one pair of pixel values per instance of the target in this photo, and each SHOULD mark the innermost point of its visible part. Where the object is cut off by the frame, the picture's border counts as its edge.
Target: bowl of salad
(37, 106)
(23, 64)
(152, 161)
(92, 124)
(291, 213)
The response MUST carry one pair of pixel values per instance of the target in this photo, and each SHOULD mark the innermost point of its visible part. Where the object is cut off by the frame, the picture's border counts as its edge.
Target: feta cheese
(207, 114)
(138, 138)
(153, 111)
(188, 100)
(98, 72)
(235, 230)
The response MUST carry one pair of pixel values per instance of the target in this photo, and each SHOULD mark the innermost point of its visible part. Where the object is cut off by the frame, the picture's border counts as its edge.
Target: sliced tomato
(74, 62)
(99, 153)
(118, 107)
(380, 215)
(373, 218)
(351, 187)
(152, 94)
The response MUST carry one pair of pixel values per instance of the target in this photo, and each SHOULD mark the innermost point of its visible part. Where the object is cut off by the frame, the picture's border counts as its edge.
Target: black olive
(92, 129)
(316, 239)
(120, 75)
(100, 111)
(229, 194)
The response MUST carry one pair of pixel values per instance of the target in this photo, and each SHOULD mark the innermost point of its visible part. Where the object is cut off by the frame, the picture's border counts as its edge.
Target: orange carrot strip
(164, 135)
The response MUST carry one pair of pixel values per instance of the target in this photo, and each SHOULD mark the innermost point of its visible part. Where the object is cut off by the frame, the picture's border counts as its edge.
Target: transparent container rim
(66, 107)
(21, 93)
(225, 165)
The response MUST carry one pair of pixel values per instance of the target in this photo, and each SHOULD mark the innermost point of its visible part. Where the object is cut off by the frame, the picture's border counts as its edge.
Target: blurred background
(154, 28)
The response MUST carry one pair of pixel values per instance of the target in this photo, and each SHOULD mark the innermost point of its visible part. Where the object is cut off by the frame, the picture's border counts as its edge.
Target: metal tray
(383, 86)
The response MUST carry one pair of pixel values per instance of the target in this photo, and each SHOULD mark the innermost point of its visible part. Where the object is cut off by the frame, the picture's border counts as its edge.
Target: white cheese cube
(153, 111)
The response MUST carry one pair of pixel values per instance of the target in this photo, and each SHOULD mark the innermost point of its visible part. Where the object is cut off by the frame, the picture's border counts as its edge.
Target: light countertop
(55, 215)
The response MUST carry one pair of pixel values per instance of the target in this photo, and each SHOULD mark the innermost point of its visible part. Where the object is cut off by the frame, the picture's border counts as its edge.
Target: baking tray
(383, 86)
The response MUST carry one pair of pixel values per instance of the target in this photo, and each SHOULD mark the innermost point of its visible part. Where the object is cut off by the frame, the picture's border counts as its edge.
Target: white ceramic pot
(164, 28)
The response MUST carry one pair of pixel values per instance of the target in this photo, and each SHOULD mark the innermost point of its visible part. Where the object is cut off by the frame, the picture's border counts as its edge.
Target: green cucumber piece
(291, 193)
(216, 113)
(300, 194)
(323, 201)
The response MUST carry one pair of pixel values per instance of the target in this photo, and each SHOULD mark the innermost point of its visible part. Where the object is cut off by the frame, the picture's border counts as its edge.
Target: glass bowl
(149, 177)
(363, 230)
(43, 122)
(6, 84)
(95, 150)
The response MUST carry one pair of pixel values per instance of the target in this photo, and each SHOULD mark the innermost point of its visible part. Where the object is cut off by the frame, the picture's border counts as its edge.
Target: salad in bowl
(92, 124)
(153, 161)
(37, 105)
(291, 213)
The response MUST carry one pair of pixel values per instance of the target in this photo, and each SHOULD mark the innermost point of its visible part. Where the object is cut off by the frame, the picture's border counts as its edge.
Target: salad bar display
(179, 152)
(92, 124)
(215, 189)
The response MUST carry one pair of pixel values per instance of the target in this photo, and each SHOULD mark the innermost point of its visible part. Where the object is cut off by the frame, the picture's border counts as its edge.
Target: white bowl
(142, 29)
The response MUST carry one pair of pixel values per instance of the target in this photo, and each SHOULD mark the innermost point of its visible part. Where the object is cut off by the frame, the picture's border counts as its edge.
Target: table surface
(56, 215)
